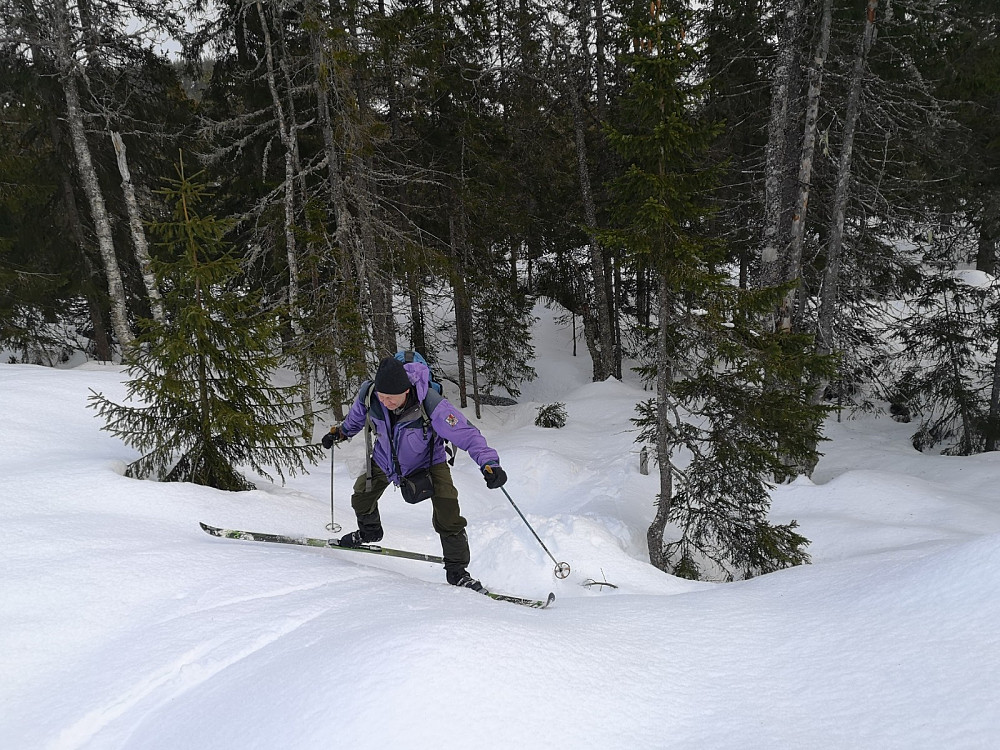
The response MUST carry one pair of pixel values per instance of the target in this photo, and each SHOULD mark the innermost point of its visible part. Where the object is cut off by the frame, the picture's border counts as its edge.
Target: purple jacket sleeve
(451, 424)
(355, 421)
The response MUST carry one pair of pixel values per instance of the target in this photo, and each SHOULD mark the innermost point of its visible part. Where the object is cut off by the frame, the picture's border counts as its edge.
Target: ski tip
(210, 529)
(549, 599)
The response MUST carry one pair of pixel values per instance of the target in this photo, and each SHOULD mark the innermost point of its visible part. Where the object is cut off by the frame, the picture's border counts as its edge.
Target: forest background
(772, 209)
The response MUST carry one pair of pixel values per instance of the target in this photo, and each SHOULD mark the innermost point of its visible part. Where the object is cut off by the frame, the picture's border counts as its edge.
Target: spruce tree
(202, 378)
(717, 370)
(945, 378)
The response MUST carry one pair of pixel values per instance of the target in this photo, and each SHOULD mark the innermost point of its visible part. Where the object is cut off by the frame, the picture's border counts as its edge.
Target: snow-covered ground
(123, 625)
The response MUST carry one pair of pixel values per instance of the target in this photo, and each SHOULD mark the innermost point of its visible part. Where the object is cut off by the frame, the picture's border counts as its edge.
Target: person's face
(392, 400)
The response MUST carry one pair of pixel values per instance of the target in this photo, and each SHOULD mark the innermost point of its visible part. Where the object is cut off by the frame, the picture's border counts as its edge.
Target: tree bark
(349, 188)
(88, 174)
(831, 274)
(461, 302)
(986, 251)
(793, 271)
(142, 255)
(286, 133)
(603, 355)
(664, 378)
(102, 342)
(993, 421)
(418, 336)
(772, 254)
(347, 250)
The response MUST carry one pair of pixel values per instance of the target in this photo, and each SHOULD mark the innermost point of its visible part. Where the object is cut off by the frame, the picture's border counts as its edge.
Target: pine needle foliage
(201, 382)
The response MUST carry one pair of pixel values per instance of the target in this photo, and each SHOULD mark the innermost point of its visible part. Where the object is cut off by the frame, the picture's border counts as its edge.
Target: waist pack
(418, 486)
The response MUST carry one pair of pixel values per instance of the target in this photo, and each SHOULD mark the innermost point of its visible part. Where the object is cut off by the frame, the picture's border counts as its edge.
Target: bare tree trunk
(993, 422)
(772, 256)
(793, 270)
(348, 248)
(475, 366)
(88, 174)
(600, 64)
(461, 303)
(603, 353)
(664, 378)
(383, 317)
(348, 186)
(102, 343)
(617, 317)
(831, 274)
(986, 251)
(287, 134)
(418, 336)
(138, 232)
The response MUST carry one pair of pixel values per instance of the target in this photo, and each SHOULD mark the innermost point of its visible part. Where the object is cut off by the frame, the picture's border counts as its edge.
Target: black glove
(335, 435)
(494, 476)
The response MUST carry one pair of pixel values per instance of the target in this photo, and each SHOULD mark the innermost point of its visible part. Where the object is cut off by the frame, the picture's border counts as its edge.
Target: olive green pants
(447, 516)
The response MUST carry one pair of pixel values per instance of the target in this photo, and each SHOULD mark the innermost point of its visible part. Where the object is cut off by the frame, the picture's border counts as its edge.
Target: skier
(410, 422)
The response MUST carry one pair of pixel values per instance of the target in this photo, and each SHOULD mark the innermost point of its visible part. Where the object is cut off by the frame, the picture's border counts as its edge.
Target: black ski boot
(359, 537)
(456, 559)
(463, 579)
(369, 531)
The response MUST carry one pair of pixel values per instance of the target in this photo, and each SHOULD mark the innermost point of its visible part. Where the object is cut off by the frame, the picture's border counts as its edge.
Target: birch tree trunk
(287, 136)
(66, 63)
(831, 274)
(793, 270)
(142, 255)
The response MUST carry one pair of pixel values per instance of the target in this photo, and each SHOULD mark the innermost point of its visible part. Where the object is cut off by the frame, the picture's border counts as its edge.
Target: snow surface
(123, 625)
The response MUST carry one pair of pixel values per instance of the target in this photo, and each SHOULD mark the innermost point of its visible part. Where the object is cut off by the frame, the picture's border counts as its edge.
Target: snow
(123, 625)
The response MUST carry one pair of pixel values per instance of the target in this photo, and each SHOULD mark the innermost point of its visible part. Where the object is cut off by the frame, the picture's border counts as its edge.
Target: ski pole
(333, 526)
(562, 569)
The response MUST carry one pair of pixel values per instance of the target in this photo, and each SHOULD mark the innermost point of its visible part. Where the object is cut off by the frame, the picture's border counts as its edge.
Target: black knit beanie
(391, 377)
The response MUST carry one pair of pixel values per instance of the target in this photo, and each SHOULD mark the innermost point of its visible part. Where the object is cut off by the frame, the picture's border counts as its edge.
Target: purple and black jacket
(416, 447)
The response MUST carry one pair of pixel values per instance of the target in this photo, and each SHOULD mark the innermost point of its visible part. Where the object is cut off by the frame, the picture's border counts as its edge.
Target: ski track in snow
(188, 671)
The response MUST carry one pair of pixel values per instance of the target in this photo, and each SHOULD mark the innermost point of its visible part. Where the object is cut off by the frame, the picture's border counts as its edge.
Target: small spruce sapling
(201, 380)
(551, 415)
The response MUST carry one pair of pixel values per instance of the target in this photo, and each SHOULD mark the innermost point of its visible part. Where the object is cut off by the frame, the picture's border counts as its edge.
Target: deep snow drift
(123, 625)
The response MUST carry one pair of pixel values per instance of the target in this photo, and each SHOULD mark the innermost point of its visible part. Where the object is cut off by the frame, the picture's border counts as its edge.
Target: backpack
(408, 355)
(435, 393)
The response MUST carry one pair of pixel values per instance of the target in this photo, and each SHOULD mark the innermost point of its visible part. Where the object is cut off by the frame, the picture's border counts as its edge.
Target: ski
(372, 549)
(305, 541)
(533, 603)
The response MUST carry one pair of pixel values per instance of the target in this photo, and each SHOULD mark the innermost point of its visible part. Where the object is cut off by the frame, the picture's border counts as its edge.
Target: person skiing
(411, 421)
